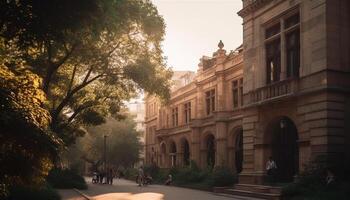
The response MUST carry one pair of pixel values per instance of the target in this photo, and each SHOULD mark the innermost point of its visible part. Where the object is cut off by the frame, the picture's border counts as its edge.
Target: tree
(123, 144)
(91, 54)
(27, 148)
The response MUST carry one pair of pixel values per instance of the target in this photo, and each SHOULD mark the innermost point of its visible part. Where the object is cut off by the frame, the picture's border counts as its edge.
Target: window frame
(282, 36)
(210, 101)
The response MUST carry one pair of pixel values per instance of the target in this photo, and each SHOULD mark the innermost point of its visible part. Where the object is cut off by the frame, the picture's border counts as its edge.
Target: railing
(164, 131)
(274, 90)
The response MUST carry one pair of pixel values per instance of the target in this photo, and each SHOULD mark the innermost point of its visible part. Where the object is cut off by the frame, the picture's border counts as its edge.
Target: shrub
(222, 176)
(31, 193)
(311, 185)
(152, 170)
(189, 175)
(66, 179)
(130, 173)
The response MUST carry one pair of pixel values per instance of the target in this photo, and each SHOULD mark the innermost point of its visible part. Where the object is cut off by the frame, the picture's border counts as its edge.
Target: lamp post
(105, 152)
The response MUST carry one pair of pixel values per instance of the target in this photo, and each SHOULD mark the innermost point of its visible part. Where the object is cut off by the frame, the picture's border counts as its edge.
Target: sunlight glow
(194, 28)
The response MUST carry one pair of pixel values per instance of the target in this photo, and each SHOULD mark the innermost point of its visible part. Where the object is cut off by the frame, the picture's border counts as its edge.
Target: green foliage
(222, 176)
(45, 192)
(66, 179)
(122, 141)
(92, 55)
(311, 185)
(152, 170)
(193, 177)
(25, 139)
(130, 173)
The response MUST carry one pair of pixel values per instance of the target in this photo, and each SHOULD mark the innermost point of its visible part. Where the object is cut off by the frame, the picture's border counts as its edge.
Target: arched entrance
(239, 150)
(211, 148)
(186, 152)
(172, 154)
(284, 148)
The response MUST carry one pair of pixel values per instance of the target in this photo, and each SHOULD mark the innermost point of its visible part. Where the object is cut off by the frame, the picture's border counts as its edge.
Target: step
(259, 188)
(252, 188)
(261, 195)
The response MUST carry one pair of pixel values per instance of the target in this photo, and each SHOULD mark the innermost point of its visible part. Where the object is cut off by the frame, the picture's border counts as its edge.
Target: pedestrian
(140, 176)
(169, 180)
(110, 175)
(271, 169)
(330, 178)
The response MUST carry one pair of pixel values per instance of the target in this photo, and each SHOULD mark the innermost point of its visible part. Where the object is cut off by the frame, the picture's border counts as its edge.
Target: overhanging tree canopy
(91, 54)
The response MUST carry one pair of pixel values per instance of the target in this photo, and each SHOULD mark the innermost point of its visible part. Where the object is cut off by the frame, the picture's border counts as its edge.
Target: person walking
(140, 176)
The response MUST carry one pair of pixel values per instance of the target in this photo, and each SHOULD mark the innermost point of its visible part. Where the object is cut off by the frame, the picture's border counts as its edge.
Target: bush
(66, 179)
(130, 173)
(30, 193)
(311, 185)
(152, 170)
(222, 176)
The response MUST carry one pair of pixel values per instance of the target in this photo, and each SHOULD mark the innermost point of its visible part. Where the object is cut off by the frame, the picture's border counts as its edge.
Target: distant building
(202, 121)
(137, 109)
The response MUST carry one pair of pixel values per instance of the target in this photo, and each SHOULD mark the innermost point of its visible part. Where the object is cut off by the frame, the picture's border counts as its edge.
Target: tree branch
(72, 79)
(53, 67)
(78, 110)
(69, 95)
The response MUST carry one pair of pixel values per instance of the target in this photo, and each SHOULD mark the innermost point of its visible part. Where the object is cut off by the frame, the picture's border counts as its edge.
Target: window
(241, 90)
(210, 101)
(237, 93)
(282, 46)
(273, 58)
(293, 53)
(187, 112)
(175, 117)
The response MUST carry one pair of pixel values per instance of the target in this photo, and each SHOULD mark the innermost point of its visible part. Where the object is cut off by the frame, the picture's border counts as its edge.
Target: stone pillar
(220, 93)
(195, 146)
(221, 144)
(283, 73)
(248, 175)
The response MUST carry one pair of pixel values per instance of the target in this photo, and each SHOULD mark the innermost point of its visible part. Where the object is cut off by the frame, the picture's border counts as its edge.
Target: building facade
(286, 95)
(203, 120)
(296, 85)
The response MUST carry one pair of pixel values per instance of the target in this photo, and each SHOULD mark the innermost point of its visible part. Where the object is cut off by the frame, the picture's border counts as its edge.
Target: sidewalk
(128, 190)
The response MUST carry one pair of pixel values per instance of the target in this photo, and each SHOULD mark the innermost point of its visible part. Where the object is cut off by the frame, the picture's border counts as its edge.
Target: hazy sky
(194, 28)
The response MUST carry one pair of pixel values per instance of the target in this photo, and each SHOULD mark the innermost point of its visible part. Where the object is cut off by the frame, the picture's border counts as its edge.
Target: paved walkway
(128, 190)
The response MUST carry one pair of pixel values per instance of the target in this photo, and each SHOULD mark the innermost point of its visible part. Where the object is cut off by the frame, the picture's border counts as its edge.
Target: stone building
(296, 84)
(202, 122)
(286, 95)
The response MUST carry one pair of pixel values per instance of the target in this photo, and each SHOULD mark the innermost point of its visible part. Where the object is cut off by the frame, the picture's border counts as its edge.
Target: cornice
(255, 5)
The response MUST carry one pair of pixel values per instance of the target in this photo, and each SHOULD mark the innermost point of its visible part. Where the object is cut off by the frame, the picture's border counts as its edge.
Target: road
(128, 190)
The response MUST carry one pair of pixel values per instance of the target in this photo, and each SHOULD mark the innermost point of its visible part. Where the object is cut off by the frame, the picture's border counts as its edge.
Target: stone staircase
(249, 190)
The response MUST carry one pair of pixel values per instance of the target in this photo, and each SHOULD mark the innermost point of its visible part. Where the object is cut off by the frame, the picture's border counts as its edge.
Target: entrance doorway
(172, 154)
(239, 151)
(285, 150)
(186, 152)
(210, 151)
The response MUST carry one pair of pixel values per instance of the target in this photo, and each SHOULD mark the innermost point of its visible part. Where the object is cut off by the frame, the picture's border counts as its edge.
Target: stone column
(195, 146)
(248, 175)
(220, 93)
(221, 144)
(283, 73)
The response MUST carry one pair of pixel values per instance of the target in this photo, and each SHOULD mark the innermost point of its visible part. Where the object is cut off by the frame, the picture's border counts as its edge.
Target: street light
(105, 152)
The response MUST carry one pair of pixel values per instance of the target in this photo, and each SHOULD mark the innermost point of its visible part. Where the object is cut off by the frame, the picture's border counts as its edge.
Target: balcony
(172, 130)
(273, 91)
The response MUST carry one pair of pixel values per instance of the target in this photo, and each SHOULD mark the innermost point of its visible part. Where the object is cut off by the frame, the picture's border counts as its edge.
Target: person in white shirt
(271, 168)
